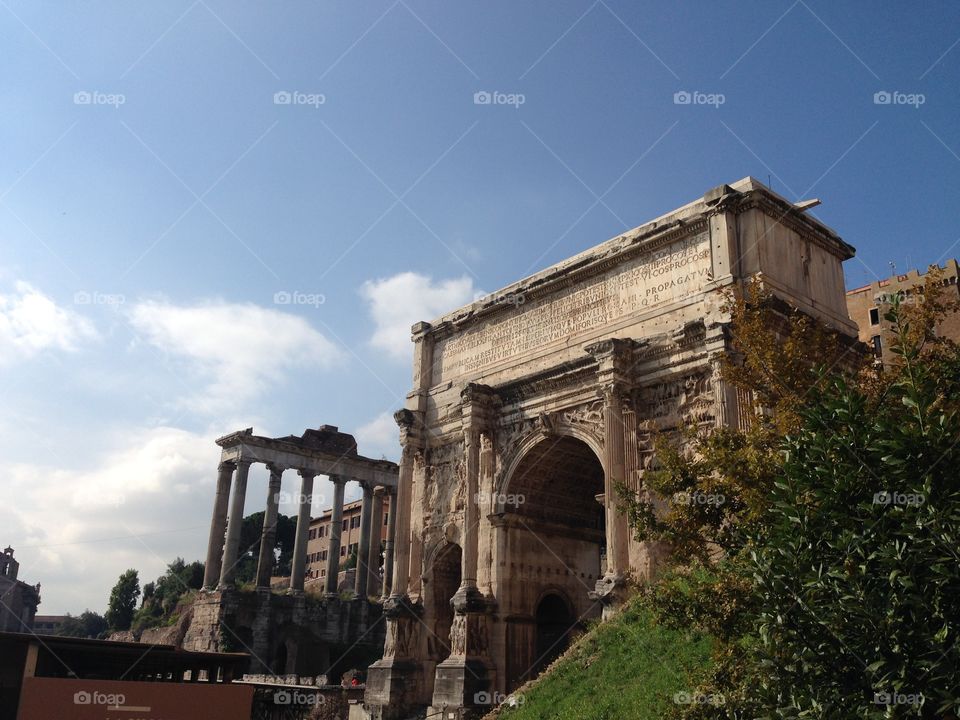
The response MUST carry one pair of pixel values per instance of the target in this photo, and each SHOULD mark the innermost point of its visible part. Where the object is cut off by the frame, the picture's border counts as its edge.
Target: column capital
(244, 462)
(614, 392)
(337, 479)
(306, 474)
(613, 349)
(379, 491)
(275, 469)
(227, 465)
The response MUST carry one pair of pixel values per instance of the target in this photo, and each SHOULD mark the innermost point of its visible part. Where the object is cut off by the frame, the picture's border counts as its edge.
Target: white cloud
(397, 302)
(140, 506)
(31, 322)
(237, 350)
(379, 437)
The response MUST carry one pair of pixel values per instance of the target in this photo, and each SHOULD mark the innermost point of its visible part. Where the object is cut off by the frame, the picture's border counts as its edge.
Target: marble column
(268, 537)
(218, 526)
(388, 546)
(401, 512)
(303, 527)
(618, 536)
(376, 534)
(228, 571)
(360, 584)
(336, 528)
(471, 516)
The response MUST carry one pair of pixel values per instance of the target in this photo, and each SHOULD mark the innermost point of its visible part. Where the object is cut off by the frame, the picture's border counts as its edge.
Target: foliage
(350, 562)
(858, 576)
(249, 553)
(123, 601)
(836, 586)
(710, 488)
(87, 624)
(162, 597)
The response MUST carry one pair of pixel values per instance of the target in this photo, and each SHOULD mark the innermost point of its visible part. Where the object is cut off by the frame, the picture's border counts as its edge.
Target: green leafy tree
(710, 488)
(249, 552)
(858, 574)
(836, 592)
(86, 625)
(123, 601)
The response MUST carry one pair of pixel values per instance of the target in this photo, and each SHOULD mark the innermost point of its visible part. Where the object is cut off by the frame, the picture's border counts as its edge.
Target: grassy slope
(628, 668)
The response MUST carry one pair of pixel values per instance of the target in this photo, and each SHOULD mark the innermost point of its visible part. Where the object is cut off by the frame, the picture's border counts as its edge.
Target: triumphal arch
(529, 409)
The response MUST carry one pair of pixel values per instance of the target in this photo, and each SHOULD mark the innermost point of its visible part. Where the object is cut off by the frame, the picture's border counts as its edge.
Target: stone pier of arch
(293, 632)
(532, 407)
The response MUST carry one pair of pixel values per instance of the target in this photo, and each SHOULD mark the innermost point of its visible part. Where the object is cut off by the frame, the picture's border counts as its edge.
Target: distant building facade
(48, 624)
(19, 600)
(867, 306)
(318, 541)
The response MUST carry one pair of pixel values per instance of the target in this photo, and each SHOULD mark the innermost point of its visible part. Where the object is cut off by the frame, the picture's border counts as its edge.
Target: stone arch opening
(555, 543)
(280, 660)
(445, 579)
(555, 624)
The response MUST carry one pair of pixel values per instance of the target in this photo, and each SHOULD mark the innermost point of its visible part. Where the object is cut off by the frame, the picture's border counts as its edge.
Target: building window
(386, 516)
(877, 346)
(343, 551)
(874, 316)
(320, 530)
(323, 573)
(344, 524)
(313, 534)
(355, 521)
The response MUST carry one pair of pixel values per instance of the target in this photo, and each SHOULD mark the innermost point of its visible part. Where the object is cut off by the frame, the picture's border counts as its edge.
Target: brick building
(318, 539)
(868, 304)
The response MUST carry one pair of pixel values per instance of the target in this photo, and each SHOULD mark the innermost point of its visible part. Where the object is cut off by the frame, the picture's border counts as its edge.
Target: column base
(464, 683)
(395, 683)
(463, 689)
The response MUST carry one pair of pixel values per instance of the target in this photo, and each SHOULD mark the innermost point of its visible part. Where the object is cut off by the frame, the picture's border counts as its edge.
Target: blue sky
(159, 203)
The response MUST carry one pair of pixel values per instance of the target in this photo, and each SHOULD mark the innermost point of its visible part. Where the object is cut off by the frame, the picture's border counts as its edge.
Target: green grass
(627, 668)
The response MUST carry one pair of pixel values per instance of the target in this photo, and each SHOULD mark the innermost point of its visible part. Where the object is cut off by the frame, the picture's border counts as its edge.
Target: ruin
(292, 634)
(18, 600)
(531, 406)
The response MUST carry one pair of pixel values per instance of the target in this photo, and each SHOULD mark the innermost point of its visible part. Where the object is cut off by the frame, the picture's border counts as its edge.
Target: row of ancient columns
(223, 548)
